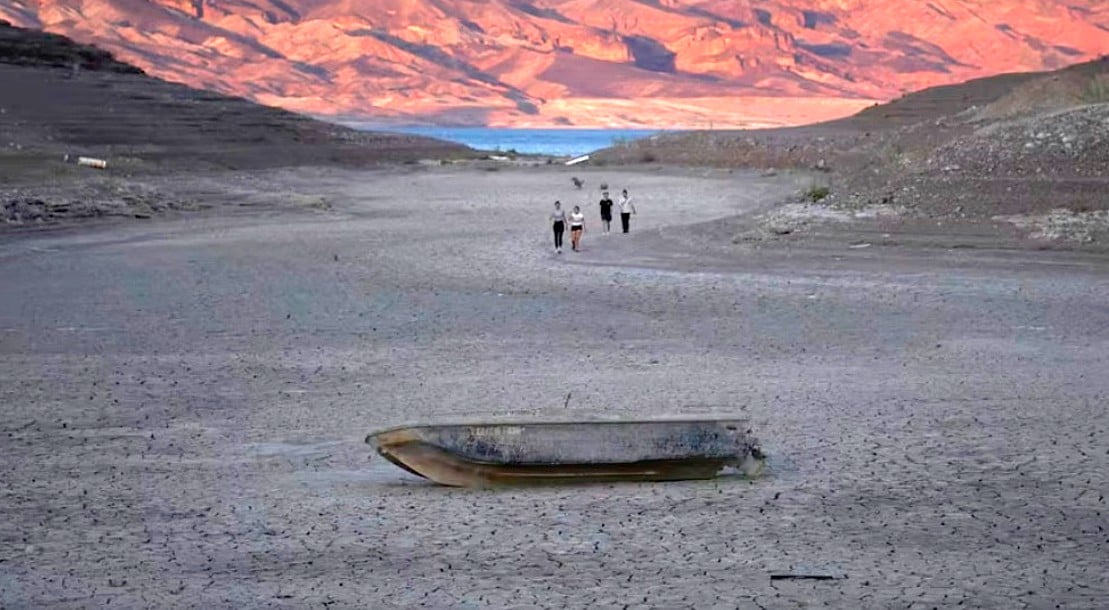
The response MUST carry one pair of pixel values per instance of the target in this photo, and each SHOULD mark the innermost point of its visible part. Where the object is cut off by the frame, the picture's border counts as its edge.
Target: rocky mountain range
(663, 63)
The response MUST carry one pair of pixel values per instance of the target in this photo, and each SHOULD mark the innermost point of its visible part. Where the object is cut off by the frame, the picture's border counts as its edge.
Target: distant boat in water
(530, 452)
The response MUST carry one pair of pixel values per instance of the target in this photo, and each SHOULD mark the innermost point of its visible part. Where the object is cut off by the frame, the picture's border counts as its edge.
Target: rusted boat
(536, 452)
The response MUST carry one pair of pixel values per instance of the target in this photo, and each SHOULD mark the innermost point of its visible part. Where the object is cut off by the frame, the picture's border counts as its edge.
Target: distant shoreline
(528, 141)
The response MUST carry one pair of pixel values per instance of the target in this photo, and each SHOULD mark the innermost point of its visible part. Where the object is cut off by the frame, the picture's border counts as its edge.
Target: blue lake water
(562, 142)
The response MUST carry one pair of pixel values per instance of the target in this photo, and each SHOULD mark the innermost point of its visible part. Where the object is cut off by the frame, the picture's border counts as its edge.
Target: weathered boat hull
(484, 455)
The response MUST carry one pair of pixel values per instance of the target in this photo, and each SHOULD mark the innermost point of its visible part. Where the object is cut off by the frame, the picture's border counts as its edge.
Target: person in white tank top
(577, 227)
(627, 208)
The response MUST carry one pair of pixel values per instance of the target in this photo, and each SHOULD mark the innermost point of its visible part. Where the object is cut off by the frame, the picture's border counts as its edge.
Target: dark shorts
(606, 216)
(575, 227)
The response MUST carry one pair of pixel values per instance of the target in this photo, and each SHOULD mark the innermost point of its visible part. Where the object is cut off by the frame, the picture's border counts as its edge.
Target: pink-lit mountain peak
(579, 62)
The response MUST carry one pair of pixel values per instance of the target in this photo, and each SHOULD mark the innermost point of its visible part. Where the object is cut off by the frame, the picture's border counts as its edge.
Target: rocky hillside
(578, 62)
(1015, 146)
(60, 100)
(59, 97)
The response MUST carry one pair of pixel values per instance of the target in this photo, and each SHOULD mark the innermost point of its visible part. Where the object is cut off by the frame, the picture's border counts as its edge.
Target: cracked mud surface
(185, 403)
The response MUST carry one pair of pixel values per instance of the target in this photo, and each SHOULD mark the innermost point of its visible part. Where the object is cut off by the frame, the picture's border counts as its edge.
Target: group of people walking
(576, 219)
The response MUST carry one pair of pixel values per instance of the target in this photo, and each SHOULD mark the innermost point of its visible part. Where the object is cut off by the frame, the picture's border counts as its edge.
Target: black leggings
(559, 228)
(625, 219)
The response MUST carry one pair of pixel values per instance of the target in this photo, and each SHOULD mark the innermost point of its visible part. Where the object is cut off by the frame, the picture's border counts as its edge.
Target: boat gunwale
(555, 422)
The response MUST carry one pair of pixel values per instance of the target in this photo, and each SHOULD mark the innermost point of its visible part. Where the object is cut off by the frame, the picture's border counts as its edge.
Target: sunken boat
(538, 452)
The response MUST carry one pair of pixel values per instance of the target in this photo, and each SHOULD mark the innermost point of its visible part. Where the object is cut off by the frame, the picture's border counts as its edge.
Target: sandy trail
(185, 403)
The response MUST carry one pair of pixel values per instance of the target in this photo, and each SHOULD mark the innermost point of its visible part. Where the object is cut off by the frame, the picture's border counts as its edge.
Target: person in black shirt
(606, 212)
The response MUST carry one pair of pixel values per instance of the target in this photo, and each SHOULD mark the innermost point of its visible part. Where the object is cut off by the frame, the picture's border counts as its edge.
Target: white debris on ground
(1061, 224)
(794, 216)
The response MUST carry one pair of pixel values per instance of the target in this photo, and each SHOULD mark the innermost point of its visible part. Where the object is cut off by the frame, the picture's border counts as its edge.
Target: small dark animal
(578, 182)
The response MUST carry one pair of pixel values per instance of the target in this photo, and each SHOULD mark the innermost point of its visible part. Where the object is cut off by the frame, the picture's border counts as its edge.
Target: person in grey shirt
(558, 225)
(627, 208)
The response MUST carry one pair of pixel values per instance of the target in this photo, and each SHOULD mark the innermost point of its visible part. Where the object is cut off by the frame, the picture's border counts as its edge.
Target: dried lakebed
(185, 403)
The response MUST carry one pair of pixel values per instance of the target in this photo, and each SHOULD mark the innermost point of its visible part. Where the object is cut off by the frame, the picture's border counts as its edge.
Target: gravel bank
(185, 403)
